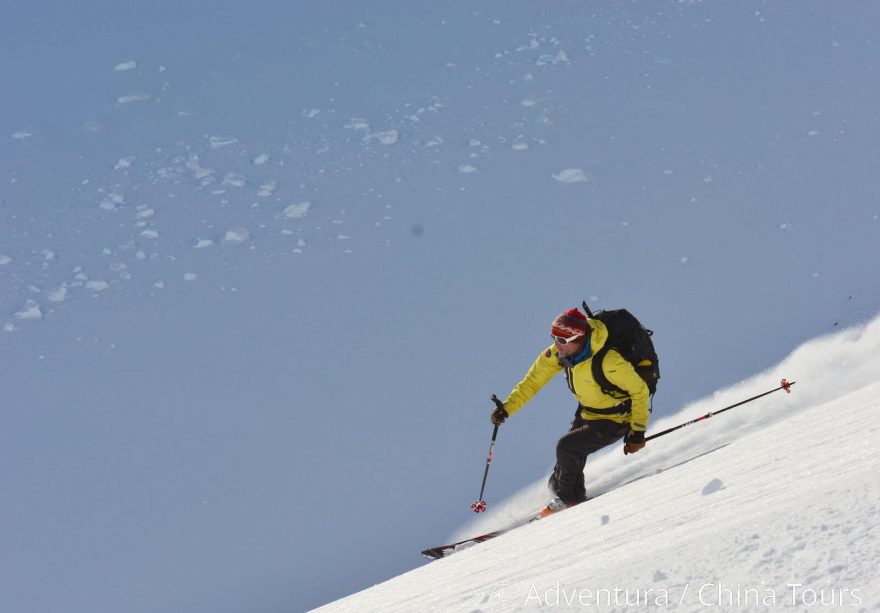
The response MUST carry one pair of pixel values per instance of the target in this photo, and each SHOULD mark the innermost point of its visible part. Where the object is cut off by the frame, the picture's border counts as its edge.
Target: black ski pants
(583, 438)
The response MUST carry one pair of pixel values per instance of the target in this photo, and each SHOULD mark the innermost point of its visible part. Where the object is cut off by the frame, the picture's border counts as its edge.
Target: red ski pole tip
(479, 506)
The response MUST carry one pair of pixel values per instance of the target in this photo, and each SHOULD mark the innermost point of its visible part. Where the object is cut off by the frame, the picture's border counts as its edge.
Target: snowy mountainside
(230, 232)
(774, 507)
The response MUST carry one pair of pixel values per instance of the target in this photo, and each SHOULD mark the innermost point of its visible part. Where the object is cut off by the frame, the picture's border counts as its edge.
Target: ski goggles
(564, 340)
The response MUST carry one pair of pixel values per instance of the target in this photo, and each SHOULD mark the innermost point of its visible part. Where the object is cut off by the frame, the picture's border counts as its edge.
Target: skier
(601, 419)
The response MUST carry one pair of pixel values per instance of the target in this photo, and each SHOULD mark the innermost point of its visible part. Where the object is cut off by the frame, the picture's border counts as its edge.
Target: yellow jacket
(585, 388)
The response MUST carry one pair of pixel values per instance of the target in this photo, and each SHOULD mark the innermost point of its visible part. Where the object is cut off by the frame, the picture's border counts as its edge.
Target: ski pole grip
(587, 309)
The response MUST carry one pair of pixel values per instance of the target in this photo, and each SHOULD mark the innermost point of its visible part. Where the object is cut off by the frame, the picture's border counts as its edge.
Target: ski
(435, 553)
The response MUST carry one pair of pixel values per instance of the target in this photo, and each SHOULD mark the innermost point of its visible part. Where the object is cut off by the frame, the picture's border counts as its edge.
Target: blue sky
(264, 265)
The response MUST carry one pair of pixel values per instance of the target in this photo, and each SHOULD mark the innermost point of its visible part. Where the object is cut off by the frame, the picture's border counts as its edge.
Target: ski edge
(435, 553)
(442, 551)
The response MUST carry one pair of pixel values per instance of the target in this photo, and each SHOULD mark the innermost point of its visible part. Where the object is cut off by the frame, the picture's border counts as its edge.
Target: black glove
(499, 414)
(633, 442)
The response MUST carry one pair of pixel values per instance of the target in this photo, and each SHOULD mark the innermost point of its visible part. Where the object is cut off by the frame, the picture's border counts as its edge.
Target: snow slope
(261, 257)
(772, 507)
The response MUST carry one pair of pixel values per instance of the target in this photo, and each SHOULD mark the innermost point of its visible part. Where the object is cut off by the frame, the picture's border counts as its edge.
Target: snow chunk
(234, 179)
(129, 65)
(236, 236)
(297, 211)
(203, 243)
(190, 276)
(92, 126)
(59, 294)
(23, 134)
(533, 44)
(111, 200)
(388, 137)
(357, 123)
(467, 169)
(260, 159)
(311, 114)
(151, 234)
(123, 163)
(205, 175)
(5, 259)
(97, 286)
(131, 98)
(217, 142)
(30, 311)
(266, 189)
(546, 58)
(571, 175)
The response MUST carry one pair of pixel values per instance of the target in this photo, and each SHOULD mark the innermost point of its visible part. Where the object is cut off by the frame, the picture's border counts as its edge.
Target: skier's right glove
(498, 416)
(633, 442)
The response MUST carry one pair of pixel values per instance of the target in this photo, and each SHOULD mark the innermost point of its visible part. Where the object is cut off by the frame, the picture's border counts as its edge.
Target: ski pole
(784, 385)
(480, 505)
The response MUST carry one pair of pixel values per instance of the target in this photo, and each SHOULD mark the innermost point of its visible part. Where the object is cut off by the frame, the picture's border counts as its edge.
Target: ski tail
(435, 553)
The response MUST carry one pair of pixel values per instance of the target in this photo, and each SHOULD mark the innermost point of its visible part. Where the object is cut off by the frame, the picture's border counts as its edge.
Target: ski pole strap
(497, 401)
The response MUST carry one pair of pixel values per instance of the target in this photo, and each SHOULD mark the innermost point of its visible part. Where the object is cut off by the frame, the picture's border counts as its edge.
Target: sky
(744, 512)
(263, 265)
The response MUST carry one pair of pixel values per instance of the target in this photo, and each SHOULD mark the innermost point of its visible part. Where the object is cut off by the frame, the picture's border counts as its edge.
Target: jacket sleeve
(543, 369)
(622, 374)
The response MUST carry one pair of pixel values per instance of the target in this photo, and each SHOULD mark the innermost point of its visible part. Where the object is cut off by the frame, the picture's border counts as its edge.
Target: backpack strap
(621, 409)
(608, 388)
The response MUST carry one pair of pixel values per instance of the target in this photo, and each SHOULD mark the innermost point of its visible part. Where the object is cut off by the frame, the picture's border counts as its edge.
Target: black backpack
(633, 341)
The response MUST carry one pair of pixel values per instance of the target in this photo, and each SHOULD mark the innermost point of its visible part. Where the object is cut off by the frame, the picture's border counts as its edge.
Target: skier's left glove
(633, 442)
